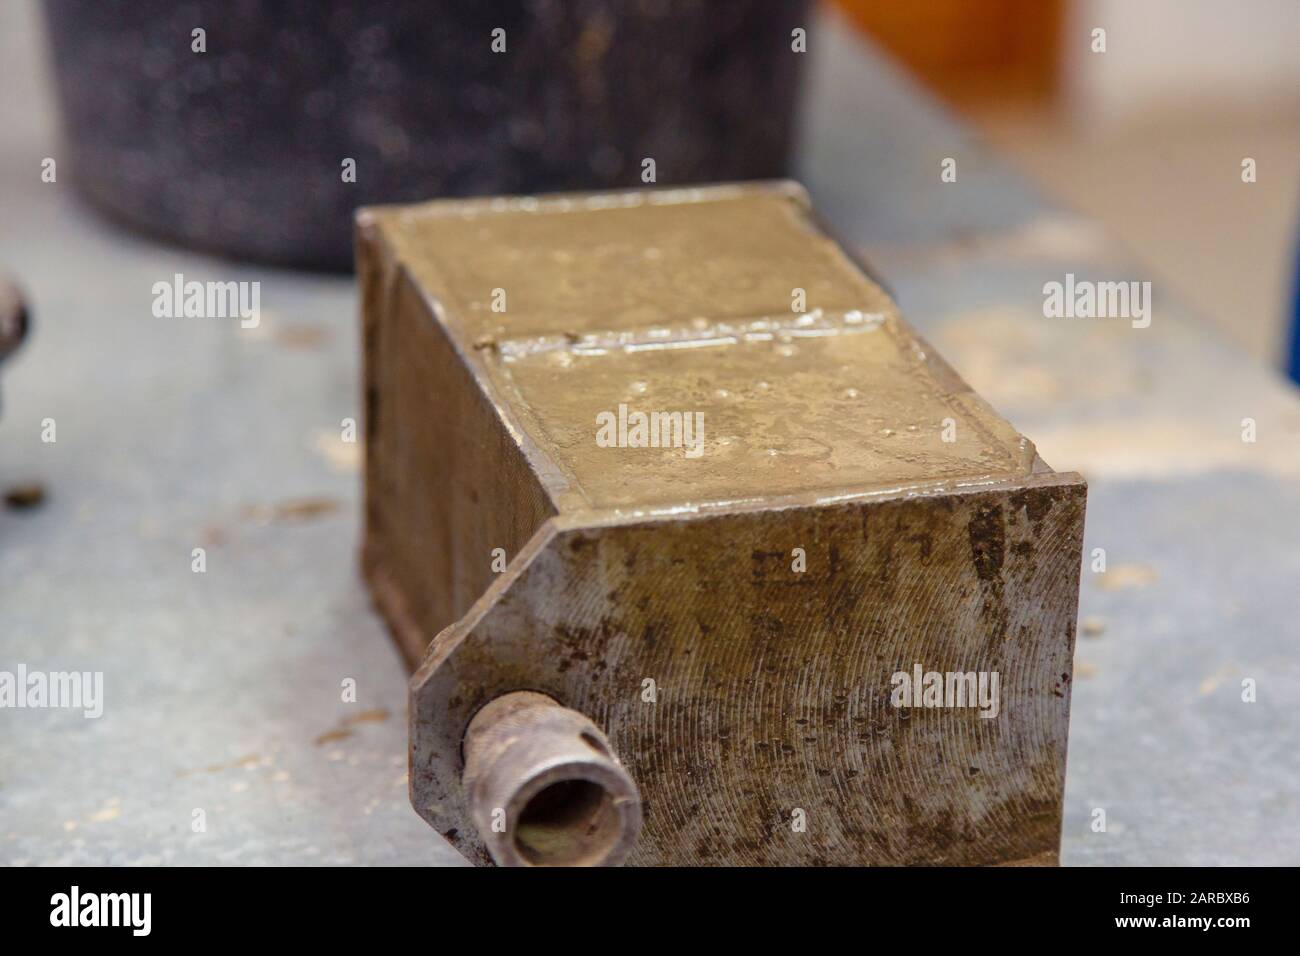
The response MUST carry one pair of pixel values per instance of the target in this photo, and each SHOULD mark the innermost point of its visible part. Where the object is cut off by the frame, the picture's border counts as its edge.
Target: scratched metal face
(677, 307)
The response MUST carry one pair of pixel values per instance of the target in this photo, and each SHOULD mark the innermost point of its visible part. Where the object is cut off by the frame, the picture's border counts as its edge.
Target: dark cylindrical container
(243, 147)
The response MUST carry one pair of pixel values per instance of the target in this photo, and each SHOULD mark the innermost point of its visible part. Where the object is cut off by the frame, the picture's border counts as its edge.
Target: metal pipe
(544, 786)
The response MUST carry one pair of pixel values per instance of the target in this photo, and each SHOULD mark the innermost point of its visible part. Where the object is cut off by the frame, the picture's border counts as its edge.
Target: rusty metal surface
(773, 689)
(545, 787)
(824, 433)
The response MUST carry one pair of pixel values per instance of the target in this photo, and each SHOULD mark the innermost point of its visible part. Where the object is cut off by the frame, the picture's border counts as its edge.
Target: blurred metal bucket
(243, 148)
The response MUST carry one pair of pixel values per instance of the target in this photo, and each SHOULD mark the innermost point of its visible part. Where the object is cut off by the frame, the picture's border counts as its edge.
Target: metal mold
(733, 621)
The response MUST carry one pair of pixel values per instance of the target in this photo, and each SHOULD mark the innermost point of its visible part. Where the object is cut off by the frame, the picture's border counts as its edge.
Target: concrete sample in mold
(671, 461)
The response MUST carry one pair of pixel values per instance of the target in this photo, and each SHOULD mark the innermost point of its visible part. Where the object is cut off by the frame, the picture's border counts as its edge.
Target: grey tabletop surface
(223, 691)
